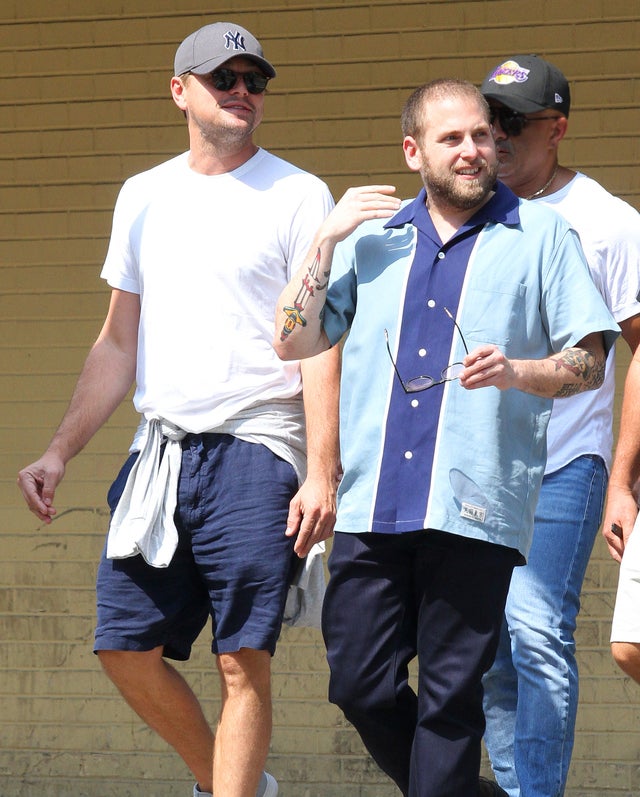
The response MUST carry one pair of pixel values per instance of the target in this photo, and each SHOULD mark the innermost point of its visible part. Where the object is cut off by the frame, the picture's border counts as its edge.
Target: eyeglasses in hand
(419, 383)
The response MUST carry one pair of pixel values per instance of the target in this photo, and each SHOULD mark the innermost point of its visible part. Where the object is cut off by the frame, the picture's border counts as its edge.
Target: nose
(239, 87)
(469, 147)
(498, 132)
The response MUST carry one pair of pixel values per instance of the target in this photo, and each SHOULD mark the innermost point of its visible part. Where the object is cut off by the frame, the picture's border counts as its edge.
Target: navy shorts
(233, 561)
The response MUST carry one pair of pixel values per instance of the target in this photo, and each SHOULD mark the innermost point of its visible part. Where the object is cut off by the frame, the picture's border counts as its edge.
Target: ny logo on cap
(234, 40)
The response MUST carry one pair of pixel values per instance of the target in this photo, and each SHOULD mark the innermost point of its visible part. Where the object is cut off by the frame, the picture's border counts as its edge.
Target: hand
(619, 519)
(487, 366)
(357, 205)
(38, 483)
(312, 514)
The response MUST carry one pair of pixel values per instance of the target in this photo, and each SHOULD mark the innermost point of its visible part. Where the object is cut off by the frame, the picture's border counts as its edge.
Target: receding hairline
(412, 118)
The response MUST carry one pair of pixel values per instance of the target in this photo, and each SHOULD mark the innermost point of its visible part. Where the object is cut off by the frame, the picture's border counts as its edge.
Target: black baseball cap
(209, 47)
(528, 83)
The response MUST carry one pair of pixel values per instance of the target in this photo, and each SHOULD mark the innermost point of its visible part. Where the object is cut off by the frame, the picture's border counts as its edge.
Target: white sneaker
(268, 787)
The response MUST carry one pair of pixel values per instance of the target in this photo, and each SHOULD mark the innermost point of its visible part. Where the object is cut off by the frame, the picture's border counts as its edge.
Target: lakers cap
(528, 83)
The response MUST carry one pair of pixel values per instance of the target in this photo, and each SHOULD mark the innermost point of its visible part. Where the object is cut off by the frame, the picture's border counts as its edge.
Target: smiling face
(455, 152)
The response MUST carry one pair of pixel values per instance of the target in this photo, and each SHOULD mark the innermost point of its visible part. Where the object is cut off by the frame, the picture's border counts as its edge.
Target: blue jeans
(531, 692)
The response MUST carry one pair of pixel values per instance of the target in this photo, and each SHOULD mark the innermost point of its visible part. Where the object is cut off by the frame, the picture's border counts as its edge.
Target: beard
(448, 189)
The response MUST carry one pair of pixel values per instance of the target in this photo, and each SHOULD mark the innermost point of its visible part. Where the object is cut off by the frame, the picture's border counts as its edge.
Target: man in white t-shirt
(208, 515)
(531, 693)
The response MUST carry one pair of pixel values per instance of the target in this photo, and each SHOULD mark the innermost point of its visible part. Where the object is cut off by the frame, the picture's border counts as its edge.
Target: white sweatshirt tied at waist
(143, 522)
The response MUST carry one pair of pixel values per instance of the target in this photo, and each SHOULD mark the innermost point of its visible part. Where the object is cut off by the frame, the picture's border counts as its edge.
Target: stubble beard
(228, 136)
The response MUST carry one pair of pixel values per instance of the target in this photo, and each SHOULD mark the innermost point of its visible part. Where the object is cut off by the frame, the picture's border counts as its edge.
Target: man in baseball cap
(200, 248)
(531, 692)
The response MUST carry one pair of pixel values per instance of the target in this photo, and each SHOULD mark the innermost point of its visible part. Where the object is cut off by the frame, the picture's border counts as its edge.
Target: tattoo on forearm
(582, 363)
(310, 284)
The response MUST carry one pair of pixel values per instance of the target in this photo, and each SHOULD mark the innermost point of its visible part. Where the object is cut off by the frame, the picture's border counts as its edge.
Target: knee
(244, 670)
(128, 665)
(627, 657)
(354, 692)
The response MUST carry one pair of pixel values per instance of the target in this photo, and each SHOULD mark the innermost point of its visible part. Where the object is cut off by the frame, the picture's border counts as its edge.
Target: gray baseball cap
(528, 83)
(209, 47)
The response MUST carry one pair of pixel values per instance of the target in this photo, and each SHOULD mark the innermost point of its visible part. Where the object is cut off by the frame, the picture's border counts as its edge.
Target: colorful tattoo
(310, 284)
(580, 362)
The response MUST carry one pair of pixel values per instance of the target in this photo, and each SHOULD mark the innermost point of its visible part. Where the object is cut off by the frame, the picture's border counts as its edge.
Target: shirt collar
(502, 208)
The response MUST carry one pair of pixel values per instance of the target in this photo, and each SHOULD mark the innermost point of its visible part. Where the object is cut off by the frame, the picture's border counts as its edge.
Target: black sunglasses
(225, 79)
(419, 383)
(513, 122)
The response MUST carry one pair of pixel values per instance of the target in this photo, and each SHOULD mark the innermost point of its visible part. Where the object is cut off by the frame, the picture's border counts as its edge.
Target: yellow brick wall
(83, 104)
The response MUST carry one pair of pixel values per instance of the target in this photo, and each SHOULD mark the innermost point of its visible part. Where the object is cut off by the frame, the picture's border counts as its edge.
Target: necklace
(541, 191)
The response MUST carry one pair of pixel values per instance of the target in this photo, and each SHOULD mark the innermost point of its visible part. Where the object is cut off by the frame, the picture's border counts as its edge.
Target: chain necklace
(545, 186)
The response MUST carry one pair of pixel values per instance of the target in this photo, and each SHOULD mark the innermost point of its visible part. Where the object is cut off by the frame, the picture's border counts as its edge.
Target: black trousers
(437, 596)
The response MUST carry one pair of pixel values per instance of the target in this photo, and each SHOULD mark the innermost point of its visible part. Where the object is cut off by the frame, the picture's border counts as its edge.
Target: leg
(164, 700)
(244, 728)
(627, 657)
(380, 585)
(460, 588)
(237, 522)
(369, 630)
(145, 613)
(541, 612)
(500, 704)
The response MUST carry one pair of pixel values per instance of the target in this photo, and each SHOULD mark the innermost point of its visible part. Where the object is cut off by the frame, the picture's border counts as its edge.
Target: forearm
(572, 371)
(312, 511)
(299, 332)
(321, 394)
(299, 309)
(622, 507)
(626, 465)
(105, 380)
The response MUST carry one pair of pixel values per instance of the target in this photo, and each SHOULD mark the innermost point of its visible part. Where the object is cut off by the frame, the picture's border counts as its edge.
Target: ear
(177, 92)
(559, 130)
(412, 153)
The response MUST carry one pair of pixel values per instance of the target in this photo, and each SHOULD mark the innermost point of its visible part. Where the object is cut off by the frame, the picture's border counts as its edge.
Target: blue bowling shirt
(469, 462)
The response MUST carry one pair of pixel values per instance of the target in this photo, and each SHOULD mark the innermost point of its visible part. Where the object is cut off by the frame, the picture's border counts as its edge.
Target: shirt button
(431, 303)
(415, 403)
(408, 454)
(422, 352)
(441, 255)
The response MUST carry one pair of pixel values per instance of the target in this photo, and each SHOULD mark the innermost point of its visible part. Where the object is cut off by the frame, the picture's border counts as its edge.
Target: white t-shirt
(208, 256)
(609, 231)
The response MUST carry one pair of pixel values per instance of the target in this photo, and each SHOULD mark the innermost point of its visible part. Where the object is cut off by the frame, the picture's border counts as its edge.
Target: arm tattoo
(580, 362)
(310, 284)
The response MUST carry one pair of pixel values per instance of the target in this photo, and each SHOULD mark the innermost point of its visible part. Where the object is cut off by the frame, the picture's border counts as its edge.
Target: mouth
(237, 107)
(469, 171)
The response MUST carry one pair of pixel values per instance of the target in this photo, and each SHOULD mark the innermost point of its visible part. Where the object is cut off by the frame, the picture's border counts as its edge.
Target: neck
(540, 191)
(448, 219)
(210, 160)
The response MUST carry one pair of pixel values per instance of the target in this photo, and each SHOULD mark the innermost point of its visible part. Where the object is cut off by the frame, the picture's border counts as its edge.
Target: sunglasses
(225, 79)
(513, 122)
